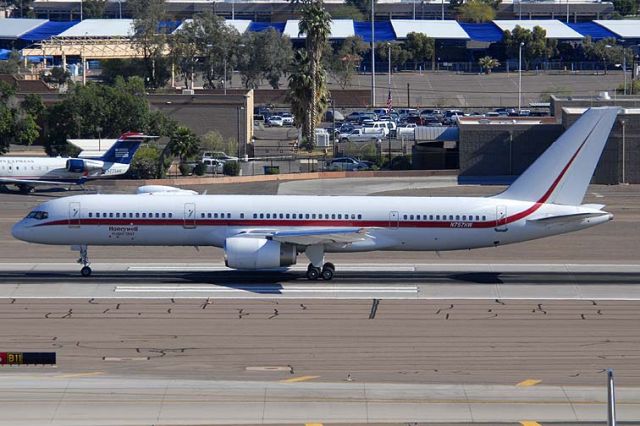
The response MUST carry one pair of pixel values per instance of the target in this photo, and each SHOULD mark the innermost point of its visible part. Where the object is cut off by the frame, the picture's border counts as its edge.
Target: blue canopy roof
(487, 31)
(592, 29)
(4, 54)
(383, 31)
(257, 27)
(47, 30)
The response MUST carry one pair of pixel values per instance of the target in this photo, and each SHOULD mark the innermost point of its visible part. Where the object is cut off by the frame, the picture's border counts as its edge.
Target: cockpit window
(38, 215)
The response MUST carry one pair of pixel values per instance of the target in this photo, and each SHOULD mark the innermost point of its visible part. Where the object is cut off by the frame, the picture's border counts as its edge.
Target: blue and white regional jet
(269, 232)
(28, 172)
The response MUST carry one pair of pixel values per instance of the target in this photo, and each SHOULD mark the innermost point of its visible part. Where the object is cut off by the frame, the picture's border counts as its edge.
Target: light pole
(120, 8)
(442, 8)
(243, 151)
(224, 81)
(389, 57)
(624, 159)
(611, 399)
(520, 76)
(373, 53)
(567, 11)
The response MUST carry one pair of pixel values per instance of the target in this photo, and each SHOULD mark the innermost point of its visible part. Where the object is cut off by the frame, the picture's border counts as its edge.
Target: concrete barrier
(211, 180)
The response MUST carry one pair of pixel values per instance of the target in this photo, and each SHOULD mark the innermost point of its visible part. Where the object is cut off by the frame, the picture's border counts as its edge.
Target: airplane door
(501, 218)
(394, 218)
(74, 215)
(189, 215)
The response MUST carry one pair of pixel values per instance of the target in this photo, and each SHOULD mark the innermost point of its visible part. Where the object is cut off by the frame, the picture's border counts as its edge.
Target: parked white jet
(27, 172)
(268, 232)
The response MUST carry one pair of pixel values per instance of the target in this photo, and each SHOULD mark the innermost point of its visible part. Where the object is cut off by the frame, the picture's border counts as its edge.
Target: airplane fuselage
(51, 169)
(392, 223)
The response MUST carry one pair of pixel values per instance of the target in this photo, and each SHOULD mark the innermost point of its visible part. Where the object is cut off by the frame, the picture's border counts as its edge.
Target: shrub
(200, 169)
(231, 168)
(185, 169)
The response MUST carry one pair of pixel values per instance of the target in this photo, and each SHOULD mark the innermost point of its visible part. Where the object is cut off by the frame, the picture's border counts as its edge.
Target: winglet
(563, 172)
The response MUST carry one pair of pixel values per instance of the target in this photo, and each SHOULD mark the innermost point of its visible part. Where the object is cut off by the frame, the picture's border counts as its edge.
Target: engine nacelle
(258, 253)
(77, 165)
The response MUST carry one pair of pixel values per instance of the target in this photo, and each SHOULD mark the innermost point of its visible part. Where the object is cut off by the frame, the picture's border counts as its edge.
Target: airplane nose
(19, 231)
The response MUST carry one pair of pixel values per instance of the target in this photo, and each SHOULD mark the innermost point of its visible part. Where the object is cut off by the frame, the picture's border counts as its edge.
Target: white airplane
(27, 172)
(269, 232)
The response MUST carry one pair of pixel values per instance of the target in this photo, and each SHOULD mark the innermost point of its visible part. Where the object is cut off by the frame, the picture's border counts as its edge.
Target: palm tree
(184, 143)
(316, 24)
(488, 63)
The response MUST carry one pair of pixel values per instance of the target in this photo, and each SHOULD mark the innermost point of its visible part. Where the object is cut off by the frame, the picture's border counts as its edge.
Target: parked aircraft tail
(563, 172)
(124, 149)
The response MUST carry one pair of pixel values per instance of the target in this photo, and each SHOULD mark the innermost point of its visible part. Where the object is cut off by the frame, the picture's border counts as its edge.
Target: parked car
(213, 166)
(346, 163)
(359, 135)
(329, 116)
(218, 155)
(287, 118)
(275, 121)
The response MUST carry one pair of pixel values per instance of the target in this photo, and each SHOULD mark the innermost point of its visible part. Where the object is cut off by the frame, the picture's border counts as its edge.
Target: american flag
(389, 101)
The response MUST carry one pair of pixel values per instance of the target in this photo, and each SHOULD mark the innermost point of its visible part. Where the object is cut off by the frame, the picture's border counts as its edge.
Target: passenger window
(261, 215)
(117, 214)
(137, 214)
(268, 215)
(281, 216)
(477, 218)
(294, 215)
(202, 215)
(313, 216)
(157, 215)
(90, 214)
(359, 216)
(228, 215)
(241, 215)
(110, 214)
(333, 216)
(405, 217)
(457, 217)
(326, 216)
(287, 215)
(215, 215)
(353, 216)
(255, 215)
(339, 216)
(165, 215)
(484, 218)
(306, 216)
(464, 217)
(411, 217)
(170, 214)
(144, 215)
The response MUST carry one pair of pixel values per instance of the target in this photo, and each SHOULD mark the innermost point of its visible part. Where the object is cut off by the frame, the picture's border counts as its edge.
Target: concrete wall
(503, 149)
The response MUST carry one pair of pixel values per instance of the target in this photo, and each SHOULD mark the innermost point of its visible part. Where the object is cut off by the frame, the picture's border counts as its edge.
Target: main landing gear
(326, 272)
(84, 261)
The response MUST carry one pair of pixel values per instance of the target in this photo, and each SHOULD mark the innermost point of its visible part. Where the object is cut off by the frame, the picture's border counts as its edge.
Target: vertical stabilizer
(563, 172)
(124, 149)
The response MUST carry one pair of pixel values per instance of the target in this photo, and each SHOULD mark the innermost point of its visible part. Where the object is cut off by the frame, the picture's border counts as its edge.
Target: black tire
(313, 274)
(85, 271)
(329, 265)
(327, 274)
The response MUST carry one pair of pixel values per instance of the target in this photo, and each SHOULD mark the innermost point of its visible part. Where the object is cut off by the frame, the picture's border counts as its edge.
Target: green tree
(349, 11)
(399, 56)
(94, 111)
(343, 63)
(421, 48)
(32, 104)
(149, 35)
(277, 52)
(315, 24)
(93, 9)
(184, 144)
(57, 75)
(488, 63)
(213, 141)
(476, 11)
(11, 65)
(606, 51)
(146, 163)
(17, 124)
(536, 46)
(625, 7)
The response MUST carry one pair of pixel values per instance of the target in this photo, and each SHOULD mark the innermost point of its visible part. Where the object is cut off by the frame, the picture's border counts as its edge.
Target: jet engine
(258, 253)
(78, 165)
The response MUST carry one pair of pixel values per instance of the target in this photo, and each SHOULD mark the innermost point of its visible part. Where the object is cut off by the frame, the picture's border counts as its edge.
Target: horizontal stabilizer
(565, 219)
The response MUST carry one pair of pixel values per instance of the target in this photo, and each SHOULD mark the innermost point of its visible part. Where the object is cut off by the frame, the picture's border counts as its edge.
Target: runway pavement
(170, 336)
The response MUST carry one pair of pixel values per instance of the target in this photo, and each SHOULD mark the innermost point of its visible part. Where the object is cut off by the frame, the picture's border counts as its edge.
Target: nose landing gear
(84, 261)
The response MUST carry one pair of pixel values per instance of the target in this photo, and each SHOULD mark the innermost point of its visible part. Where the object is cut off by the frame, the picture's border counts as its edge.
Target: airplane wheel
(313, 273)
(85, 271)
(327, 271)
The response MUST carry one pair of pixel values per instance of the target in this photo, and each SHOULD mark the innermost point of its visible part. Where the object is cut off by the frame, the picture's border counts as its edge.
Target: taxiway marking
(299, 379)
(528, 383)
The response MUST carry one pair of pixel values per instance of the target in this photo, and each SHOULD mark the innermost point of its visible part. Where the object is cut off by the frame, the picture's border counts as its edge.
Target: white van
(376, 127)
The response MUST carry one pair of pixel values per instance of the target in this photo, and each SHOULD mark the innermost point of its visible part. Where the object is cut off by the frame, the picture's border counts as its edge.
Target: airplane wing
(308, 237)
(37, 182)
